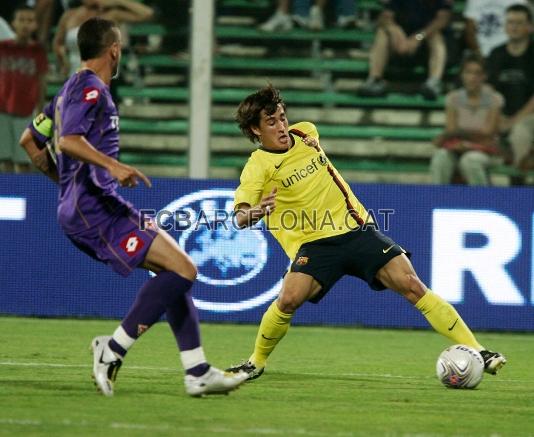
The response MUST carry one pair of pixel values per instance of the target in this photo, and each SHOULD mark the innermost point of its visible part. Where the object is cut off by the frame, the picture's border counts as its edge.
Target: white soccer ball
(460, 366)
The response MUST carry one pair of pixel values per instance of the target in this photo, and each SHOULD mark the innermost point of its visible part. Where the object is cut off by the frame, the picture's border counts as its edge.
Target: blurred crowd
(489, 116)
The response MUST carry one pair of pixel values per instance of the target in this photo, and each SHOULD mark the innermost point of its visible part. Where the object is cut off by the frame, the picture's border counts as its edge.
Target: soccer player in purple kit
(84, 124)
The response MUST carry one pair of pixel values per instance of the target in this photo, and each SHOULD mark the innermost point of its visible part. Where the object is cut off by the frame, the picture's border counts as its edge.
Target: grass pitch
(320, 382)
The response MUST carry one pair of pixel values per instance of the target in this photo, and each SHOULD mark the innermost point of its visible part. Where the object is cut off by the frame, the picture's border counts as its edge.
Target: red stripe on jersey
(339, 184)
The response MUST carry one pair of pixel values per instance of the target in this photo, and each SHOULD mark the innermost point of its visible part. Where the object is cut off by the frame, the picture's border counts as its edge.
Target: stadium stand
(371, 139)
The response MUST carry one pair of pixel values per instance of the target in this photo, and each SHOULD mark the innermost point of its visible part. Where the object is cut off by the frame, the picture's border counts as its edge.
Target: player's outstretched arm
(79, 148)
(39, 157)
(247, 215)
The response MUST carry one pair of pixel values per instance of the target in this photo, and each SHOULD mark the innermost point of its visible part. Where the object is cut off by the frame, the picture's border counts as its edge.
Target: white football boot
(105, 365)
(214, 381)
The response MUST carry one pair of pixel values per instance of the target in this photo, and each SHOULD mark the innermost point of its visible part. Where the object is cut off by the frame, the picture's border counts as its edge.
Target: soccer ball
(460, 366)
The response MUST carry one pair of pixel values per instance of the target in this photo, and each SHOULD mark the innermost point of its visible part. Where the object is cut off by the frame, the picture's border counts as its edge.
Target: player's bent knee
(288, 303)
(186, 268)
(415, 285)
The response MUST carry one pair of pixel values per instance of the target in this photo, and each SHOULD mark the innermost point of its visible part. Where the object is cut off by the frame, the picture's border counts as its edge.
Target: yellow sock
(445, 319)
(274, 325)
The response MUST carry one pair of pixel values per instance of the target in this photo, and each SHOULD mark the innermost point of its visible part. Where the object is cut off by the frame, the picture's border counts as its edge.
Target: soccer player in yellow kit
(321, 225)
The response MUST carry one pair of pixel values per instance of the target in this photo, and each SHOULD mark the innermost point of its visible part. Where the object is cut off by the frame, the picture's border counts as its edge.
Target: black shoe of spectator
(431, 89)
(373, 88)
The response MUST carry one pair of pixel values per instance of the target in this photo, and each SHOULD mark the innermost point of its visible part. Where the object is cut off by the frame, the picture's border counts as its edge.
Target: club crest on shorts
(302, 260)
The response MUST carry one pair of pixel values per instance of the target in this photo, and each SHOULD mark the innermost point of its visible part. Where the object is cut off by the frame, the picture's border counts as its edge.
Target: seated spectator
(309, 16)
(23, 65)
(405, 28)
(484, 24)
(65, 41)
(44, 10)
(511, 72)
(472, 127)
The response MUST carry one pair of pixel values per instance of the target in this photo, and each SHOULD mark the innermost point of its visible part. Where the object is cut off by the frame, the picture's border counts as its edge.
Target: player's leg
(175, 273)
(399, 275)
(297, 288)
(182, 316)
(166, 293)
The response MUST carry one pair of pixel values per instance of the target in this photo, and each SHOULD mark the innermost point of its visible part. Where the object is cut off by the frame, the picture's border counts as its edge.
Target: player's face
(473, 76)
(272, 130)
(517, 26)
(24, 24)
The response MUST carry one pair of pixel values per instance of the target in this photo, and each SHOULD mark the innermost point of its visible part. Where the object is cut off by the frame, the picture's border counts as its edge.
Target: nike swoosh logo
(453, 325)
(388, 249)
(100, 360)
(278, 166)
(269, 338)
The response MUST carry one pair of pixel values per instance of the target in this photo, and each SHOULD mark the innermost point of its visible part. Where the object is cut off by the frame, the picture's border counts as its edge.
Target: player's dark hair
(473, 58)
(249, 111)
(95, 36)
(521, 8)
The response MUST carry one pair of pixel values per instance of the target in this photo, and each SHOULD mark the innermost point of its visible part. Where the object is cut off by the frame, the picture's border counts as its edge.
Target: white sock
(193, 358)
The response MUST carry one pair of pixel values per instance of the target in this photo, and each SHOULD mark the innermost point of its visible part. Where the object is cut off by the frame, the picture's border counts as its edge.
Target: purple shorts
(118, 242)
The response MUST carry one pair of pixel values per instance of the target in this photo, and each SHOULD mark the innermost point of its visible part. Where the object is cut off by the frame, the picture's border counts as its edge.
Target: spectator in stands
(511, 72)
(472, 127)
(23, 65)
(65, 41)
(309, 16)
(44, 10)
(484, 24)
(405, 28)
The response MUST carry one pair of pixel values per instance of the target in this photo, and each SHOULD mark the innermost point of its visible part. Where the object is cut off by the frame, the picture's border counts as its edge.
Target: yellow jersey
(312, 200)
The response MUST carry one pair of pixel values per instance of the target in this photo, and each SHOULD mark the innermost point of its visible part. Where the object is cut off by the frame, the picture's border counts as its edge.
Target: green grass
(320, 382)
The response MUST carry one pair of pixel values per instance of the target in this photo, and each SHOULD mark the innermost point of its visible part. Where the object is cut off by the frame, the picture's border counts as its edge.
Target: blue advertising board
(473, 246)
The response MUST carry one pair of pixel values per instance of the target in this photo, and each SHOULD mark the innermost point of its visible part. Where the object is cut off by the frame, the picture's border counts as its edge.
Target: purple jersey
(87, 194)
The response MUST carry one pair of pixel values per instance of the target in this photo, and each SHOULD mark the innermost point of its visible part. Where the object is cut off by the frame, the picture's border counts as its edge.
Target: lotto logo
(132, 244)
(90, 95)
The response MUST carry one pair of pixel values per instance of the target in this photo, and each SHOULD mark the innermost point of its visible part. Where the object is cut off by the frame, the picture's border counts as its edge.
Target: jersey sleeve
(252, 182)
(42, 126)
(79, 112)
(306, 128)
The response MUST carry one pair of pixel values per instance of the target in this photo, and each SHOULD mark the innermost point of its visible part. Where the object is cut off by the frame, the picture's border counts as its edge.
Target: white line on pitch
(171, 427)
(177, 369)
